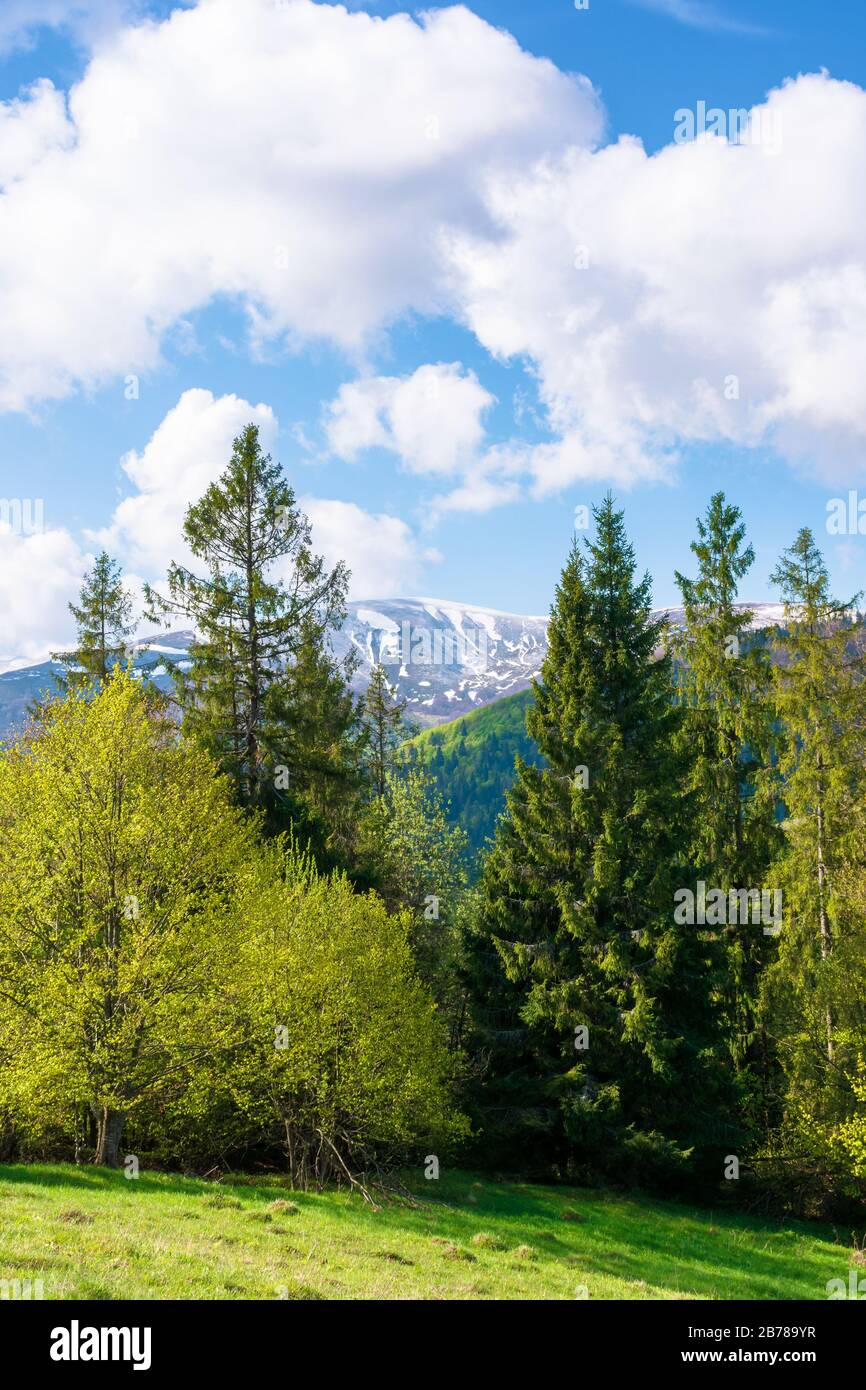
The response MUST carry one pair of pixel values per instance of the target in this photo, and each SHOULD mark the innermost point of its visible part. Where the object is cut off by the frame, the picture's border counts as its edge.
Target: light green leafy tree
(348, 1067)
(420, 865)
(120, 846)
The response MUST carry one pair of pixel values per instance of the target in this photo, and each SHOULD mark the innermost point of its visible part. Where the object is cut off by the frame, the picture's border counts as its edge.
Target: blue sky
(368, 237)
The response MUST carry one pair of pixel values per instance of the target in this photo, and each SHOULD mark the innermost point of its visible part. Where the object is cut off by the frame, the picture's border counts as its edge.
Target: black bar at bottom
(208, 1337)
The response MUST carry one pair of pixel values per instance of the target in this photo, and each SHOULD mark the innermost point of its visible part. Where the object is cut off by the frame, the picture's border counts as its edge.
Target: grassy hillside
(472, 760)
(90, 1233)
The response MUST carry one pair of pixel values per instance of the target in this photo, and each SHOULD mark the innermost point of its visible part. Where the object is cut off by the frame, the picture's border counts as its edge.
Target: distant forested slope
(472, 761)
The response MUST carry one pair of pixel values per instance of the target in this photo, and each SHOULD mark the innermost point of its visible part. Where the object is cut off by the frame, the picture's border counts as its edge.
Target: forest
(471, 761)
(239, 929)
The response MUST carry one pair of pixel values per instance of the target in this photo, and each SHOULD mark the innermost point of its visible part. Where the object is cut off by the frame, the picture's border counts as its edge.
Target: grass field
(93, 1234)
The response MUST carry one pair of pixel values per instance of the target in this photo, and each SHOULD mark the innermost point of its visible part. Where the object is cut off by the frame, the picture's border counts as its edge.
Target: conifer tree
(579, 898)
(318, 734)
(840, 1114)
(105, 625)
(727, 739)
(384, 725)
(252, 624)
(822, 946)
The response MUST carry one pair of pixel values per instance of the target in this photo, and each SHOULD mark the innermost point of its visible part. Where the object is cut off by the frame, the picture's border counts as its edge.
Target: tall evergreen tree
(252, 624)
(579, 899)
(384, 725)
(105, 625)
(843, 1120)
(819, 1024)
(725, 686)
(320, 780)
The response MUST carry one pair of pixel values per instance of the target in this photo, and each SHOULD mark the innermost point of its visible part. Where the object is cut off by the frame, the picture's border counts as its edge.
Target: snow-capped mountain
(444, 658)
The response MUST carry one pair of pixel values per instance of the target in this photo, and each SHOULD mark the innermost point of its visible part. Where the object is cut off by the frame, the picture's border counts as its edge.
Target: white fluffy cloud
(432, 419)
(381, 550)
(331, 171)
(711, 292)
(486, 487)
(30, 128)
(39, 573)
(296, 157)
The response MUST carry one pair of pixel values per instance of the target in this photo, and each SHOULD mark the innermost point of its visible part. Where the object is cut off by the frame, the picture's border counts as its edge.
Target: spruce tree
(105, 625)
(264, 601)
(316, 728)
(819, 700)
(384, 726)
(579, 900)
(725, 685)
(841, 1107)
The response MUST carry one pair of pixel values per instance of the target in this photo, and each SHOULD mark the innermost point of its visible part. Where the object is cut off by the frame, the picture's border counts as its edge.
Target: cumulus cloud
(296, 157)
(381, 550)
(432, 419)
(39, 573)
(479, 492)
(30, 128)
(331, 171)
(712, 292)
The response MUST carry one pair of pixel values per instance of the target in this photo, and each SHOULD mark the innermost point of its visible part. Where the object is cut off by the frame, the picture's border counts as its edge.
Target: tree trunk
(826, 940)
(253, 639)
(8, 1140)
(109, 1128)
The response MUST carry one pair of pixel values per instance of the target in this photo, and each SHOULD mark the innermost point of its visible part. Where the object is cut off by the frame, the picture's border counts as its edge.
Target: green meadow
(91, 1233)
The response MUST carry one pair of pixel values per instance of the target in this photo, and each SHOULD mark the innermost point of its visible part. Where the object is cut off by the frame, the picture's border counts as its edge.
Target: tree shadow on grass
(637, 1240)
(675, 1249)
(92, 1179)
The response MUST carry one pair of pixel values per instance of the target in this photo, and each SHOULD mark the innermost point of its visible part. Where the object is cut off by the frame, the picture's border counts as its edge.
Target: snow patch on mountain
(445, 658)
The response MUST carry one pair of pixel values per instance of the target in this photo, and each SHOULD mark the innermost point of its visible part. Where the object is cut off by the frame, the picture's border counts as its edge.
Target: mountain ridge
(445, 657)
